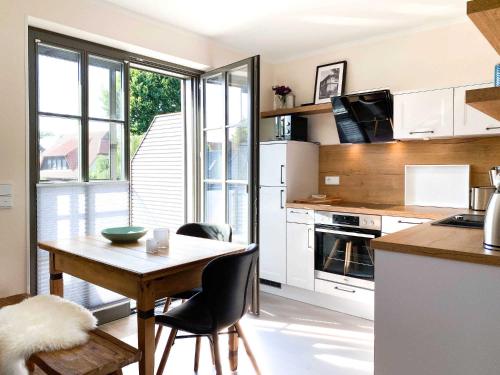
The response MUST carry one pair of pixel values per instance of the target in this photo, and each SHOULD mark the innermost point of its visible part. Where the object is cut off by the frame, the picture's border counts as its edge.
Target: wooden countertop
(433, 213)
(462, 244)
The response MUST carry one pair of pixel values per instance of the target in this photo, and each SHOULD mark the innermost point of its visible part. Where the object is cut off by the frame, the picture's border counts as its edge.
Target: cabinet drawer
(300, 216)
(346, 293)
(392, 224)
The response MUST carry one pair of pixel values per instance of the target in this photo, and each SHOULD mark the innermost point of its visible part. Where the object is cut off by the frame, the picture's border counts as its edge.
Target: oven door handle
(352, 234)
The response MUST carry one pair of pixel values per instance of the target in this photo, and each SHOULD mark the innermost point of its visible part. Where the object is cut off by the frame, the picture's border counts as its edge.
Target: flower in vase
(281, 92)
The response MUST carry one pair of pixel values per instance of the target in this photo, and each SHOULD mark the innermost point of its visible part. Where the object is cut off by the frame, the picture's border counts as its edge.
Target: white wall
(101, 21)
(445, 56)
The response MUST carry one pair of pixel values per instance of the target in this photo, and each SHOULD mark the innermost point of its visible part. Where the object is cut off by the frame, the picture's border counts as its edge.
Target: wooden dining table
(129, 270)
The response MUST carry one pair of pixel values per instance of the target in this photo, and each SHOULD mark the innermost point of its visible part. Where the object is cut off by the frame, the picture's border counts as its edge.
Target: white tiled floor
(288, 337)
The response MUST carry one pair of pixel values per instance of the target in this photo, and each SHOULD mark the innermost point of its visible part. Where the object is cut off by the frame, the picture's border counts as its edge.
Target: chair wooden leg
(212, 351)
(30, 366)
(160, 327)
(233, 349)
(164, 357)
(247, 347)
(197, 354)
(218, 366)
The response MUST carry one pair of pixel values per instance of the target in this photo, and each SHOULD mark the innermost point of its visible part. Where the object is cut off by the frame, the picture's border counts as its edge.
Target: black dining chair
(224, 299)
(220, 232)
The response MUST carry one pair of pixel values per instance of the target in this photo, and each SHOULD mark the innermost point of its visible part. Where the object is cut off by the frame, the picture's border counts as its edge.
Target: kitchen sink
(462, 221)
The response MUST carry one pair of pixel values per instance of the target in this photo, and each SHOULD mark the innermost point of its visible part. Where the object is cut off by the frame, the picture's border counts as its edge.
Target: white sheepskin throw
(41, 323)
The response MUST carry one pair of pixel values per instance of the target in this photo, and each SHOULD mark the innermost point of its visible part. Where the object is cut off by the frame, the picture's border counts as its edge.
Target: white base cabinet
(435, 316)
(393, 224)
(272, 234)
(300, 249)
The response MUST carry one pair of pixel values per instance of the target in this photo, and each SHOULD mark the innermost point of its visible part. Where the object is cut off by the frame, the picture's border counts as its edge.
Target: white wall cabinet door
(468, 120)
(300, 255)
(273, 234)
(273, 164)
(424, 114)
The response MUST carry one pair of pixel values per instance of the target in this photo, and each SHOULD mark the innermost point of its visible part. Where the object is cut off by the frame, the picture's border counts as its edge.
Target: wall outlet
(5, 196)
(332, 180)
(5, 201)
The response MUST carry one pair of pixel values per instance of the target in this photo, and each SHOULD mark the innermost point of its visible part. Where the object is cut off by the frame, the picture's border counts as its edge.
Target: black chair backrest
(221, 232)
(227, 286)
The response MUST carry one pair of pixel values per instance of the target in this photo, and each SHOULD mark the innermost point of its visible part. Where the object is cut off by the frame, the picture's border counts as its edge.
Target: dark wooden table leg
(56, 278)
(233, 349)
(146, 332)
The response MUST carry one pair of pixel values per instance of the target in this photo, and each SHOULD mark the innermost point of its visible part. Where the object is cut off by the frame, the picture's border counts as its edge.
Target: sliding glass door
(229, 138)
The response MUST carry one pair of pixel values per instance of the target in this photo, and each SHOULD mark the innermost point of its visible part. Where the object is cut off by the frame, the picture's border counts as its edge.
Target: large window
(81, 115)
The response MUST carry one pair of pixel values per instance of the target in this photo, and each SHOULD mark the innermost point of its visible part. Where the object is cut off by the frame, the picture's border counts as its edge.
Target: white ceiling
(283, 29)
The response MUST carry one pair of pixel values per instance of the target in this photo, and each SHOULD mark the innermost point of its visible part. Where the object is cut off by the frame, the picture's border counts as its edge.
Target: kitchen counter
(434, 213)
(463, 244)
(437, 302)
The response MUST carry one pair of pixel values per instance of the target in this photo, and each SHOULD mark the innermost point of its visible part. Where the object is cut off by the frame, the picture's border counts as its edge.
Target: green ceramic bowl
(124, 234)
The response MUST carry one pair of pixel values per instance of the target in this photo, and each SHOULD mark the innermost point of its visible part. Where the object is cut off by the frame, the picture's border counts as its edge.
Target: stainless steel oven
(342, 247)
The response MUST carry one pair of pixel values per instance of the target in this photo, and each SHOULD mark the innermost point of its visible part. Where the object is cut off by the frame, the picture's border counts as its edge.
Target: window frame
(90, 48)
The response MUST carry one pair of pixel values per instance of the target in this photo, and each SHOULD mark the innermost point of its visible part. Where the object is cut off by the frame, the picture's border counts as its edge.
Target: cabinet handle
(297, 212)
(423, 132)
(493, 127)
(281, 174)
(281, 199)
(309, 230)
(345, 290)
(407, 222)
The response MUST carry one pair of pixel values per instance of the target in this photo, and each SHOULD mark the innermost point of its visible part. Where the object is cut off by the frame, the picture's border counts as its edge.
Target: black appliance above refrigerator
(290, 128)
(365, 117)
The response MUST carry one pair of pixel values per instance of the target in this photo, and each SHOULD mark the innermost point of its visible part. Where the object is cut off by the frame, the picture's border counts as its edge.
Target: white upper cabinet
(273, 164)
(468, 120)
(423, 114)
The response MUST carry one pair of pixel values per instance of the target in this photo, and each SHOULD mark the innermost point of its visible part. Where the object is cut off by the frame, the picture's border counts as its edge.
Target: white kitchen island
(437, 303)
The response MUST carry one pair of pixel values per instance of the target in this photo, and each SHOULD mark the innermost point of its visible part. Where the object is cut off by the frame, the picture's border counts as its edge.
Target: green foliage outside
(151, 94)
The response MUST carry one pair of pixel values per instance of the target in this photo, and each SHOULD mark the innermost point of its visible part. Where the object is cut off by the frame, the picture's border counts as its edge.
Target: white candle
(162, 236)
(151, 246)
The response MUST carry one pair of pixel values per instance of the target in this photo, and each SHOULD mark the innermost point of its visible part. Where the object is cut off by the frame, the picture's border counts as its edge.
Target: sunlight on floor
(288, 337)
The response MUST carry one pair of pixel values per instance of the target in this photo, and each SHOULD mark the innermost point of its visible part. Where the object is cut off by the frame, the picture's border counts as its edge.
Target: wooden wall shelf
(485, 100)
(486, 16)
(305, 110)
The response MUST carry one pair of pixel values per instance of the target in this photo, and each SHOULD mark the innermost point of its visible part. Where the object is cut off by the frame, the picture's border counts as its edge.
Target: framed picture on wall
(330, 81)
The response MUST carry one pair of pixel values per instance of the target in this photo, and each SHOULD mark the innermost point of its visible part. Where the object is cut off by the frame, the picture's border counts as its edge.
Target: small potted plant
(282, 96)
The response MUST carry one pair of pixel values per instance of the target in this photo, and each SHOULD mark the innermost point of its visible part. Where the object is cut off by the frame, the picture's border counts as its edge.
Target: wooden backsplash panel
(374, 173)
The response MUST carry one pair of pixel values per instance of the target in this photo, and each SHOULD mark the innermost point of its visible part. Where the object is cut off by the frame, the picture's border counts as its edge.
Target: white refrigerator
(288, 171)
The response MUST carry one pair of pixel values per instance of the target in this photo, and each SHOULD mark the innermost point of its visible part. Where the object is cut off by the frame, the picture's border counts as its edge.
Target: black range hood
(365, 117)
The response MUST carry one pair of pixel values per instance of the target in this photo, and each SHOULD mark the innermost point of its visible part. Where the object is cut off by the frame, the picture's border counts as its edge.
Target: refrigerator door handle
(282, 205)
(282, 167)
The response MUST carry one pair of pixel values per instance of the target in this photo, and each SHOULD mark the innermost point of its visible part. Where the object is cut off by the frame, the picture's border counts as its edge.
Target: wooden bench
(103, 354)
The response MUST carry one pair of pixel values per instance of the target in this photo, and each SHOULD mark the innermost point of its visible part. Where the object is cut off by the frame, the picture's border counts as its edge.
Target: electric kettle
(492, 218)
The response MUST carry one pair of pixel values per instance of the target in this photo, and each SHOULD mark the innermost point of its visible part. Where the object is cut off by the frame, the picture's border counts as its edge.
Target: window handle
(492, 127)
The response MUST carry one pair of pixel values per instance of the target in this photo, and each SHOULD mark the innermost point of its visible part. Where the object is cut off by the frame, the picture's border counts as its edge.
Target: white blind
(68, 210)
(158, 175)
